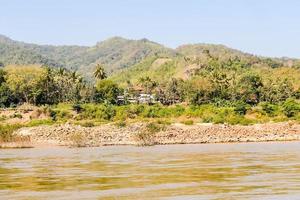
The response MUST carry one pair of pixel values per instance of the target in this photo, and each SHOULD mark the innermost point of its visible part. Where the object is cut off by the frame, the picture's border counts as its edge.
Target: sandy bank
(137, 134)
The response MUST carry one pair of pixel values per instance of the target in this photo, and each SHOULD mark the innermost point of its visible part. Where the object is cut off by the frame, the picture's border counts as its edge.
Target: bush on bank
(90, 115)
(239, 113)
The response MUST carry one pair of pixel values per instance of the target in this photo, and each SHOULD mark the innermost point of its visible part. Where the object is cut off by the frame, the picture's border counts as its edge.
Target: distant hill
(191, 58)
(115, 54)
(128, 59)
(13, 52)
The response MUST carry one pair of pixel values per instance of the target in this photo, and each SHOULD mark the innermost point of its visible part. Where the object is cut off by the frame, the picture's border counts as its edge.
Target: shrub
(163, 122)
(104, 111)
(269, 108)
(128, 111)
(52, 114)
(77, 107)
(63, 114)
(40, 122)
(135, 110)
(88, 124)
(291, 107)
(108, 111)
(16, 115)
(241, 108)
(77, 140)
(120, 124)
(188, 122)
(151, 112)
(154, 127)
(6, 132)
(207, 119)
(178, 110)
(146, 135)
(218, 119)
(3, 117)
(238, 119)
(36, 114)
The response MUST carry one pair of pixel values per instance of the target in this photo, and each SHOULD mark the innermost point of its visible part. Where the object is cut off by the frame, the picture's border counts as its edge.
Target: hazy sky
(264, 27)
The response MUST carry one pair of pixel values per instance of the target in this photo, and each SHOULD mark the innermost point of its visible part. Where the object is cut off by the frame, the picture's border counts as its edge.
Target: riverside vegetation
(194, 84)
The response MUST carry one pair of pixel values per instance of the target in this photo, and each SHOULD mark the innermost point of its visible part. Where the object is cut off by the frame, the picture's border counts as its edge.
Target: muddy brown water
(206, 171)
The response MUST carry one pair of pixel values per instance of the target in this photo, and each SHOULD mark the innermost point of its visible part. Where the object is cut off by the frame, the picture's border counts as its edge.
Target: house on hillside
(136, 95)
(146, 99)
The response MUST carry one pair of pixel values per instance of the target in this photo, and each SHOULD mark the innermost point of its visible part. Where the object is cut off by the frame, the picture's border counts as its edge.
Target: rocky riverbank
(142, 134)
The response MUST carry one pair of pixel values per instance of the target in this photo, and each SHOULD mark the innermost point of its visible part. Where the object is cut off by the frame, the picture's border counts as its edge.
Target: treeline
(224, 83)
(39, 85)
(47, 86)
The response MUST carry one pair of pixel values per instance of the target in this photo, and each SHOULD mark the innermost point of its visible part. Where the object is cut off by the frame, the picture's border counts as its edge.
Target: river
(206, 171)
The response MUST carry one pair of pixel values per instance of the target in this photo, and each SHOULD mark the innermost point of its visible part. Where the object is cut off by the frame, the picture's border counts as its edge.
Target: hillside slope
(115, 53)
(130, 59)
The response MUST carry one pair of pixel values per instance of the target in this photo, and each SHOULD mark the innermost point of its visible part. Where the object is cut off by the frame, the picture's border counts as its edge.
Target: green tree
(249, 88)
(5, 93)
(173, 92)
(2, 76)
(147, 83)
(276, 90)
(99, 72)
(6, 97)
(199, 96)
(106, 91)
(24, 82)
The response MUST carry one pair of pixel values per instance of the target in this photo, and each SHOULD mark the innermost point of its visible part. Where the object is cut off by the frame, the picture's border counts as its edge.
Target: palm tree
(99, 72)
(147, 84)
(61, 71)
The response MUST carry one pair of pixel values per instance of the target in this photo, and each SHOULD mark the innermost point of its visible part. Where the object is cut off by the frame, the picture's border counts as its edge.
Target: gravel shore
(136, 134)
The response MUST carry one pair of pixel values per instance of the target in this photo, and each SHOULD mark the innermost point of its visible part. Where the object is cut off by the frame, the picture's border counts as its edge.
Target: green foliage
(6, 132)
(2, 76)
(117, 53)
(104, 111)
(87, 124)
(291, 108)
(249, 88)
(106, 90)
(146, 136)
(188, 122)
(154, 127)
(77, 140)
(276, 90)
(172, 93)
(77, 107)
(269, 108)
(41, 85)
(199, 97)
(6, 98)
(241, 108)
(99, 72)
(38, 122)
(297, 93)
(214, 83)
(120, 124)
(147, 84)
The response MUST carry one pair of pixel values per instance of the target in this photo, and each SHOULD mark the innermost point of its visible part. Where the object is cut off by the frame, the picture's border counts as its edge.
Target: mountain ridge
(118, 54)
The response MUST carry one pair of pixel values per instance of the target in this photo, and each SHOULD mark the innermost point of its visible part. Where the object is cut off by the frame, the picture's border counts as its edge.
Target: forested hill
(128, 58)
(115, 53)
